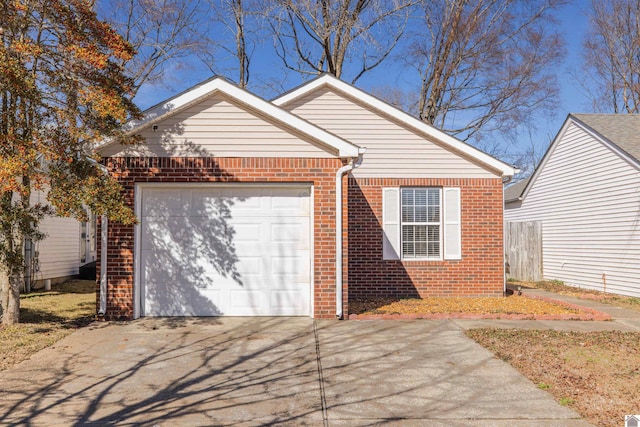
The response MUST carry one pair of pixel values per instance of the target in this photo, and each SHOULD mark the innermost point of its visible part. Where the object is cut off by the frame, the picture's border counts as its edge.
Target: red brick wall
(478, 273)
(129, 171)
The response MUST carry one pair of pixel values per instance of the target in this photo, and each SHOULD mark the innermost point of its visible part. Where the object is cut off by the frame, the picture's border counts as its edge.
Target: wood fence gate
(523, 250)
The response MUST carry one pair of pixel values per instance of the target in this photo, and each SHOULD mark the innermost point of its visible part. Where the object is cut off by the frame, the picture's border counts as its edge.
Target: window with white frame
(421, 222)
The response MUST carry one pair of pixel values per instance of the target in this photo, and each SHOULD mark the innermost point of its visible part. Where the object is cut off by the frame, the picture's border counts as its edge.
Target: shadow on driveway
(265, 371)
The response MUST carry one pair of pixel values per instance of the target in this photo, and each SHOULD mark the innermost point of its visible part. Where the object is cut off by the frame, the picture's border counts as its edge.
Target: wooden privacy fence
(523, 250)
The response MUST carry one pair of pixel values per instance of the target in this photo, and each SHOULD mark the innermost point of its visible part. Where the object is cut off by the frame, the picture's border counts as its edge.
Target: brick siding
(129, 171)
(365, 273)
(478, 273)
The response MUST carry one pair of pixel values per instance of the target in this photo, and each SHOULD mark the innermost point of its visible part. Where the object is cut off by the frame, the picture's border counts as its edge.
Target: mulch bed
(524, 307)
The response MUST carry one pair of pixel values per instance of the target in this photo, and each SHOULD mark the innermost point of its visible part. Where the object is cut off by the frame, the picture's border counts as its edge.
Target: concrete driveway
(265, 371)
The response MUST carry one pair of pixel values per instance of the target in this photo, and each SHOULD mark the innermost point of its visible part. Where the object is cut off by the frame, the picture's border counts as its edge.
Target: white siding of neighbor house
(392, 150)
(588, 199)
(219, 127)
(59, 251)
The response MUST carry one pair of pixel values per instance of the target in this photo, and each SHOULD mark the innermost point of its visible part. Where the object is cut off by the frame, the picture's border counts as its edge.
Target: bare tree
(161, 31)
(316, 36)
(529, 156)
(484, 64)
(612, 56)
(232, 36)
(397, 97)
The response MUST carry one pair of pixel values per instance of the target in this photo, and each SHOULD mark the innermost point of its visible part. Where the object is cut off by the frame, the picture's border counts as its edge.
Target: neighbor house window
(421, 222)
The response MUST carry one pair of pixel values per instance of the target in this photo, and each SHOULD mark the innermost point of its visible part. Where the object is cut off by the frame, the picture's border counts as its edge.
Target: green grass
(566, 401)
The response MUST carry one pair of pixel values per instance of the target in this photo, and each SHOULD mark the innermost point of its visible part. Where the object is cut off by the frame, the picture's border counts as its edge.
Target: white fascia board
(399, 115)
(345, 149)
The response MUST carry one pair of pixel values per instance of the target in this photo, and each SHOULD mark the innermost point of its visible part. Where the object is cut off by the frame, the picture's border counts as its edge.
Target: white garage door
(225, 251)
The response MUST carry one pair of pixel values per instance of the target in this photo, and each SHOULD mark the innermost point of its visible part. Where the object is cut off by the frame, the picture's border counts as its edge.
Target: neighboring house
(67, 245)
(237, 200)
(513, 192)
(586, 193)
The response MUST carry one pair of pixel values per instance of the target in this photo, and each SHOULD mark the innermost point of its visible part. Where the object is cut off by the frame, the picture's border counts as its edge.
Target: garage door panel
(286, 298)
(243, 232)
(163, 203)
(289, 267)
(155, 270)
(173, 299)
(176, 271)
(246, 301)
(225, 251)
(296, 205)
(176, 233)
(294, 231)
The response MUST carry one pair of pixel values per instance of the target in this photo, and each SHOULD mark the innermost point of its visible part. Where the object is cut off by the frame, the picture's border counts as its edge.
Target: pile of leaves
(453, 305)
(595, 373)
(47, 317)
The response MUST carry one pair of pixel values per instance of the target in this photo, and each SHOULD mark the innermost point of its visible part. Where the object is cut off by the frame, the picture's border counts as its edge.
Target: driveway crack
(323, 398)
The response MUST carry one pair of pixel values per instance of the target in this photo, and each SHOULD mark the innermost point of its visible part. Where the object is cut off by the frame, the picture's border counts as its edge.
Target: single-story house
(586, 194)
(239, 200)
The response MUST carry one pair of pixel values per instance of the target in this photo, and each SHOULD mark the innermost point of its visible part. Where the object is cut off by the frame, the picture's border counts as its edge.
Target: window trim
(439, 223)
(451, 215)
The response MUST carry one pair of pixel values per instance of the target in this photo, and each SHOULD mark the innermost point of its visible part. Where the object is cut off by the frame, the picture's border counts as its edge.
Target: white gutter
(339, 174)
(103, 266)
(102, 310)
(505, 180)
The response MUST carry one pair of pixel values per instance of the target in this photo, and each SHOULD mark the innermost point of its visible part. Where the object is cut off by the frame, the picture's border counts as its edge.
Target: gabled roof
(514, 191)
(398, 115)
(623, 130)
(207, 88)
(620, 132)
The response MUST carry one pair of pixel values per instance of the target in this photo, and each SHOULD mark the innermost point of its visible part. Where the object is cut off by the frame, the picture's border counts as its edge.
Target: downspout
(354, 163)
(103, 266)
(28, 263)
(505, 180)
(104, 224)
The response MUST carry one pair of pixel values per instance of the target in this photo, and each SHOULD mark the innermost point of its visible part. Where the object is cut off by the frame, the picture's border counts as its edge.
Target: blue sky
(573, 24)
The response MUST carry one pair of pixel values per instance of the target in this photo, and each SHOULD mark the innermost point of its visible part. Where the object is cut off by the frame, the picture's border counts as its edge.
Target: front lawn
(47, 317)
(597, 374)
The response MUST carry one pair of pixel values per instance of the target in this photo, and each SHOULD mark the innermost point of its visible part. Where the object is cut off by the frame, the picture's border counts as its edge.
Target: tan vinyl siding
(59, 251)
(392, 150)
(219, 127)
(588, 198)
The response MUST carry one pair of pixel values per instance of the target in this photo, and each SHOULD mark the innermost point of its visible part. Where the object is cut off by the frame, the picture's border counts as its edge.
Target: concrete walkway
(622, 319)
(273, 371)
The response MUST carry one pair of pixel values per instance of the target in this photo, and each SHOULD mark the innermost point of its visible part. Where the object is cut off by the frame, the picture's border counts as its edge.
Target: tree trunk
(10, 296)
(4, 292)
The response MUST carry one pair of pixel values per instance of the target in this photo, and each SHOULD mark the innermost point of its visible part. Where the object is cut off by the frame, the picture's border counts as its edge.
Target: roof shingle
(623, 130)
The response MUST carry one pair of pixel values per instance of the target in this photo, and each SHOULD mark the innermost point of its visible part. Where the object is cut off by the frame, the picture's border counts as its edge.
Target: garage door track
(266, 371)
